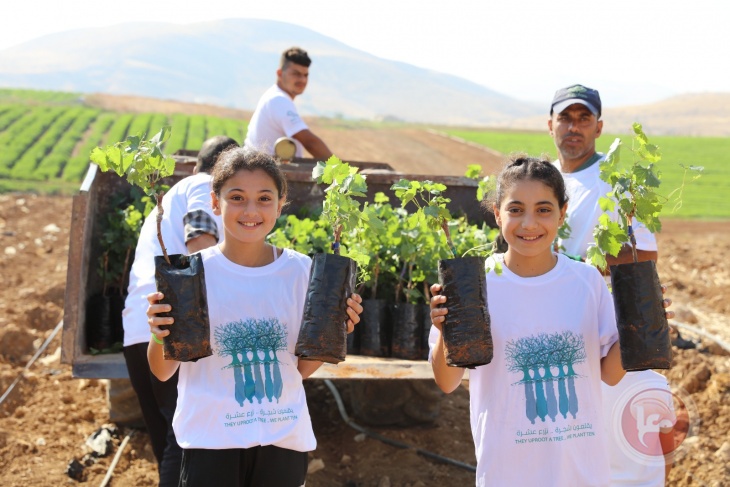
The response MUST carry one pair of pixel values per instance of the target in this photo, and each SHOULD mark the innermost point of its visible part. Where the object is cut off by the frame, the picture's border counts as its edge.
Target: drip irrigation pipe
(30, 362)
(694, 329)
(397, 444)
(118, 455)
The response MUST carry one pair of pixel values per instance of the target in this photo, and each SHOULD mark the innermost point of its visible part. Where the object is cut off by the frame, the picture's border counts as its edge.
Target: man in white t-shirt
(276, 115)
(575, 124)
(188, 225)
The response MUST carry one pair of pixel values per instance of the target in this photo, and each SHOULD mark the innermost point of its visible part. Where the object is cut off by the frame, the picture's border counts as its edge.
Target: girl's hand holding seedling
(155, 321)
(354, 310)
(447, 378)
(438, 315)
(163, 369)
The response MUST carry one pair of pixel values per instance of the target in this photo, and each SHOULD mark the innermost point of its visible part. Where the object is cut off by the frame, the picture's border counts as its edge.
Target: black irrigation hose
(27, 366)
(703, 333)
(397, 444)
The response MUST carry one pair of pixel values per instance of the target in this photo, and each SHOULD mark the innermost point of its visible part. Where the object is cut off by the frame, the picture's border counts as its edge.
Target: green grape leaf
(473, 171)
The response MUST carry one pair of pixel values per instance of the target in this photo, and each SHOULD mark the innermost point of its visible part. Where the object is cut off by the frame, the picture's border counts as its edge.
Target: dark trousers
(259, 466)
(157, 400)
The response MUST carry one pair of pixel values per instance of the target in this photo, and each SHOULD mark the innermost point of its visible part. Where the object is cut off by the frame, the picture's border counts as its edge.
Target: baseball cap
(565, 97)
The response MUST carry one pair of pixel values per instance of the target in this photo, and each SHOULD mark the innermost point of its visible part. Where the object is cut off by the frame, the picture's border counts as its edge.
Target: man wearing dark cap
(575, 124)
(276, 115)
(188, 225)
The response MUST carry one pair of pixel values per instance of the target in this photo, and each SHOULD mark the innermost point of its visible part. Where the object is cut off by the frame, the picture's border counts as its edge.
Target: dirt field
(47, 417)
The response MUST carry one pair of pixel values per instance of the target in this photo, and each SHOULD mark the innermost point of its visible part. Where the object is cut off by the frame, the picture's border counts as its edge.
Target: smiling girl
(241, 415)
(536, 408)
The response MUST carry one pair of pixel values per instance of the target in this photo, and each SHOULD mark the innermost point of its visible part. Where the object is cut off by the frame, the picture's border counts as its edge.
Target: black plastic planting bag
(425, 331)
(466, 329)
(372, 326)
(642, 323)
(406, 340)
(104, 321)
(323, 334)
(183, 284)
(353, 342)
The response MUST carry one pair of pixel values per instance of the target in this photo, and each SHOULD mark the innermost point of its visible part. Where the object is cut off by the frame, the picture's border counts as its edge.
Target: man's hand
(314, 145)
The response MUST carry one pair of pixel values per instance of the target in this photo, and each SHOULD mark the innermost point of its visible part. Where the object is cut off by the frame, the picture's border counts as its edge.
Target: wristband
(157, 340)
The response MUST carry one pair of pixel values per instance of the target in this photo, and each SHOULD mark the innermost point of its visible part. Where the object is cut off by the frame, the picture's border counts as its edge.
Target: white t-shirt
(584, 189)
(189, 194)
(635, 451)
(249, 392)
(534, 425)
(275, 116)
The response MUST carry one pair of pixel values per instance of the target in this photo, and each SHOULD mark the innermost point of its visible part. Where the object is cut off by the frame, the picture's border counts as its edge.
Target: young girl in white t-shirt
(241, 415)
(536, 413)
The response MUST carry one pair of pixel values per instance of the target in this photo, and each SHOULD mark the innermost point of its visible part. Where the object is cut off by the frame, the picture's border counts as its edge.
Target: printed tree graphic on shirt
(252, 345)
(545, 360)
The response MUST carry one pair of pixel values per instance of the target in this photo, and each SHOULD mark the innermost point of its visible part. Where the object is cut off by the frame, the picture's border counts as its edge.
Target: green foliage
(16, 95)
(25, 167)
(179, 135)
(120, 128)
(38, 141)
(508, 141)
(196, 132)
(400, 264)
(704, 199)
(340, 208)
(303, 235)
(144, 165)
(119, 238)
(486, 184)
(430, 204)
(10, 115)
(78, 164)
(634, 194)
(140, 125)
(22, 135)
(141, 161)
(53, 164)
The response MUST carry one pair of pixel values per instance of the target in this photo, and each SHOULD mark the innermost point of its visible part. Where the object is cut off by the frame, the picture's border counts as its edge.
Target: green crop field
(46, 136)
(702, 198)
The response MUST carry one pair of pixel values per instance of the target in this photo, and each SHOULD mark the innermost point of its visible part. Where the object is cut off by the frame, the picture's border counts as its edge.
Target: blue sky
(632, 51)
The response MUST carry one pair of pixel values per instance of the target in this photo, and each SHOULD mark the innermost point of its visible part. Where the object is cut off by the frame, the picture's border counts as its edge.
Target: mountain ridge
(244, 54)
(230, 63)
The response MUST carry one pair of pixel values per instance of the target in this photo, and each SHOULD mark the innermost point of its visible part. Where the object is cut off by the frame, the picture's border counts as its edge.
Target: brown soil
(47, 417)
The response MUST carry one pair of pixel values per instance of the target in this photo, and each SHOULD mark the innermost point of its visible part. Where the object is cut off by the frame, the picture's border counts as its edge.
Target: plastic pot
(104, 321)
(642, 323)
(323, 334)
(183, 284)
(373, 328)
(353, 341)
(406, 339)
(426, 330)
(466, 329)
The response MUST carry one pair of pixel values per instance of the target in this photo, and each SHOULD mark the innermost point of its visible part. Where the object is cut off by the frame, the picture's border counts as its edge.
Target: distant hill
(231, 62)
(702, 114)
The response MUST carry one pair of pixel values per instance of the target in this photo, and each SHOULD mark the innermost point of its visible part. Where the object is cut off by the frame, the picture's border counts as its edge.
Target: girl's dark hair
(236, 159)
(522, 167)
